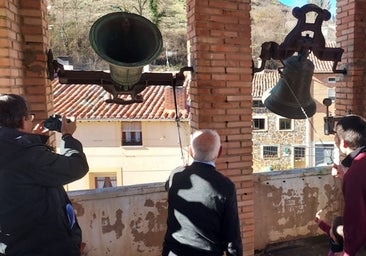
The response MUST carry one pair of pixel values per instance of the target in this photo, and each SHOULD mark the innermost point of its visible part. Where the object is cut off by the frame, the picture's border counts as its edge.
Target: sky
(300, 3)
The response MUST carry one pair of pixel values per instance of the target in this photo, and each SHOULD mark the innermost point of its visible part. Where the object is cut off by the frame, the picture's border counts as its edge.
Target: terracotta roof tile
(264, 80)
(87, 101)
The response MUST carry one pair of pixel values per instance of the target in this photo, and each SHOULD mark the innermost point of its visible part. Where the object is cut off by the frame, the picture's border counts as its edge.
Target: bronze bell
(291, 97)
(127, 42)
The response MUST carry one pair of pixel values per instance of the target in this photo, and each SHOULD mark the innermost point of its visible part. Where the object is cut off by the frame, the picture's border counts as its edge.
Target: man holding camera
(36, 215)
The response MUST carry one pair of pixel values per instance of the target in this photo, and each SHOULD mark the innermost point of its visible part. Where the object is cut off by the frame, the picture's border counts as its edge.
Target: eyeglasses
(31, 117)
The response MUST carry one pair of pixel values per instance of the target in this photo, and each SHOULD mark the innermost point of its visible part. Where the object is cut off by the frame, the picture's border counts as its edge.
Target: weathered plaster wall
(286, 204)
(122, 221)
(132, 219)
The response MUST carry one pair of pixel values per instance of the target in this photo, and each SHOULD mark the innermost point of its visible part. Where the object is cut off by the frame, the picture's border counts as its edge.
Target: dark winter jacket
(33, 202)
(202, 213)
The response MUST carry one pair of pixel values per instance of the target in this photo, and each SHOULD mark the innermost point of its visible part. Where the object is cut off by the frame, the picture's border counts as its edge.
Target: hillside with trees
(71, 20)
(272, 21)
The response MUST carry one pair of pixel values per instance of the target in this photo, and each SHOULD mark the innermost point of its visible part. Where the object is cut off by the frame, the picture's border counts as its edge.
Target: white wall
(151, 162)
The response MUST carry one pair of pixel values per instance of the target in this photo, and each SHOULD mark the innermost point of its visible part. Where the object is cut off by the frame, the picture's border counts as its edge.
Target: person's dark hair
(12, 110)
(352, 129)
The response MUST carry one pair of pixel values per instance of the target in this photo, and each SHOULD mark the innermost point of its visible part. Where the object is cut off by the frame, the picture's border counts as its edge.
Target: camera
(53, 123)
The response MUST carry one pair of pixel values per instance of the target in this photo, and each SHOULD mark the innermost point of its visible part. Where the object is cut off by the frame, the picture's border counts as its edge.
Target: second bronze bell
(291, 96)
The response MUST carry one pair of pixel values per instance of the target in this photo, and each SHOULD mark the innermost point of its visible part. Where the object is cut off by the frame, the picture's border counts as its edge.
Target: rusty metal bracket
(295, 41)
(116, 90)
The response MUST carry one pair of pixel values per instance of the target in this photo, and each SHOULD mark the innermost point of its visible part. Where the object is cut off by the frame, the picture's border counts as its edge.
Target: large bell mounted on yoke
(292, 90)
(291, 96)
(127, 42)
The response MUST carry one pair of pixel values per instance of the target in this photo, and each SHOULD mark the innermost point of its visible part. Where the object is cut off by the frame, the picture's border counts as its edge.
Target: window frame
(278, 124)
(95, 176)
(131, 134)
(302, 157)
(261, 105)
(328, 150)
(265, 120)
(276, 155)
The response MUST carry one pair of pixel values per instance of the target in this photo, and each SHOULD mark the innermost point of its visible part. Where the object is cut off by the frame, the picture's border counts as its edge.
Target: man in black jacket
(202, 205)
(36, 215)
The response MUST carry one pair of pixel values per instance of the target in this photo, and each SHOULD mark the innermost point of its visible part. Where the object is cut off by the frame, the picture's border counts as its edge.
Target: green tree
(156, 14)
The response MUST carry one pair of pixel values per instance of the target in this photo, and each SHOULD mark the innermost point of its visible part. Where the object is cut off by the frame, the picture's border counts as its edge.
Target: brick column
(351, 36)
(10, 48)
(34, 29)
(219, 51)
(23, 47)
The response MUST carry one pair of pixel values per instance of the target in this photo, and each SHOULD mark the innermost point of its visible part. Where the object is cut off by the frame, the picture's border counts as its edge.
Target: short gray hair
(352, 128)
(205, 145)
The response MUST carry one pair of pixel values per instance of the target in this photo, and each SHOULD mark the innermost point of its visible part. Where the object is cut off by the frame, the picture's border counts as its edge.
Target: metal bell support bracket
(116, 90)
(296, 42)
(291, 96)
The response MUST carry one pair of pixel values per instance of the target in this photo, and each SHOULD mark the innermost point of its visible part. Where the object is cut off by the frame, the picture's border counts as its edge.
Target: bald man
(202, 205)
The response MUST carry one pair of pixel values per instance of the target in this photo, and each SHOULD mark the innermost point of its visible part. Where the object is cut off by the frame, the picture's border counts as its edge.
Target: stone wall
(282, 139)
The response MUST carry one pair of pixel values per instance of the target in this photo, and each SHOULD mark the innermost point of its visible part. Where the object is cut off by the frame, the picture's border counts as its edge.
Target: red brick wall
(23, 47)
(351, 36)
(220, 53)
(33, 25)
(24, 41)
(11, 75)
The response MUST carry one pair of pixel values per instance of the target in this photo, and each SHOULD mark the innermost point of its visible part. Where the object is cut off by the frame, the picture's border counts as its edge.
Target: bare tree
(71, 20)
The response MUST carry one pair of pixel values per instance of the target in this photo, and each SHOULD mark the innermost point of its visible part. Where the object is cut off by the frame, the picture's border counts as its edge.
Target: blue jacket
(34, 204)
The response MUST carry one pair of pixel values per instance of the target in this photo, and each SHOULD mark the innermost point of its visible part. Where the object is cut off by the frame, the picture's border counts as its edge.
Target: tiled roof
(86, 101)
(264, 80)
(320, 65)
